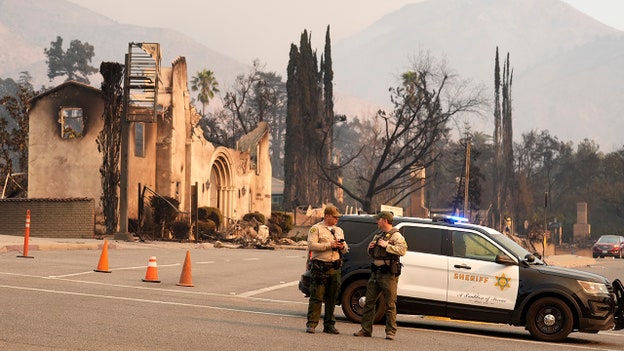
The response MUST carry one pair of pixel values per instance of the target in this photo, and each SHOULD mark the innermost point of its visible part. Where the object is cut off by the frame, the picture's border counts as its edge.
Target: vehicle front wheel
(351, 306)
(549, 319)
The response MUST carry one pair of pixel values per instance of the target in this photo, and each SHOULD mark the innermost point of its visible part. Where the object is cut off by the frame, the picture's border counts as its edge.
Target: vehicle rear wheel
(549, 319)
(351, 298)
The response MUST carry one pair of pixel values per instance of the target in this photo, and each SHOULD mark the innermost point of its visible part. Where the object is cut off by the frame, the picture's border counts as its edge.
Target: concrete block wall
(49, 218)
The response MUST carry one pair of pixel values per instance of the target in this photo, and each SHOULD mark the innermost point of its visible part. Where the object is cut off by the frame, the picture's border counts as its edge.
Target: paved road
(241, 299)
(16, 244)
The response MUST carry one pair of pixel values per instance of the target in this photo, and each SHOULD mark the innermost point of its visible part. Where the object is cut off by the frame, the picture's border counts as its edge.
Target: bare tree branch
(399, 143)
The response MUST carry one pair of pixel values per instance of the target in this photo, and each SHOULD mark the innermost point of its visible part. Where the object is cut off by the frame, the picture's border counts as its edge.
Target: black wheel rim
(355, 301)
(549, 320)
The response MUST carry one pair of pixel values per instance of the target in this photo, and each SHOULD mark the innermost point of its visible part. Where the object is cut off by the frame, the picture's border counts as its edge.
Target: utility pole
(467, 179)
(545, 224)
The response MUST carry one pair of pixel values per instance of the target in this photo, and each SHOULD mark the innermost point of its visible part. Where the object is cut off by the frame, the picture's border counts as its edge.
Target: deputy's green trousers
(323, 288)
(386, 284)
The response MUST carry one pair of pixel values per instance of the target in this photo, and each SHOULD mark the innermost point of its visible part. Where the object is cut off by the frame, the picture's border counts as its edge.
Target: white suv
(470, 272)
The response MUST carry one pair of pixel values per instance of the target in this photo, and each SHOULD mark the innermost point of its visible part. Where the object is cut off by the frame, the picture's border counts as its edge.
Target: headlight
(593, 288)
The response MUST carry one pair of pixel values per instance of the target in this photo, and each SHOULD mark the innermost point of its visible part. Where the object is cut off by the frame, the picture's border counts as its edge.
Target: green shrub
(207, 213)
(279, 223)
(259, 217)
(180, 230)
(206, 229)
(284, 219)
(274, 229)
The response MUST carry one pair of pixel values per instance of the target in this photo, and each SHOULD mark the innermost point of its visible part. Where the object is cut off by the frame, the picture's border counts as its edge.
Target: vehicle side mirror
(529, 258)
(504, 259)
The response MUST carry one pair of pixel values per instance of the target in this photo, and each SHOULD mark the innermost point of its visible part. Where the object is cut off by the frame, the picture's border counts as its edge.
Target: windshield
(518, 251)
(609, 239)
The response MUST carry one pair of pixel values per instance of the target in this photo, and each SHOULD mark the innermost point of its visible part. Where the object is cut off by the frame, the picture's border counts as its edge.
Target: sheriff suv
(469, 272)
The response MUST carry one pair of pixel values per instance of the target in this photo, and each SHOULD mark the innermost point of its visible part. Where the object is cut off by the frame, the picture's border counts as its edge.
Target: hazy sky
(264, 29)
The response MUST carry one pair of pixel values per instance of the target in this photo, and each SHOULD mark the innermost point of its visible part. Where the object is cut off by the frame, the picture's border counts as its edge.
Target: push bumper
(618, 315)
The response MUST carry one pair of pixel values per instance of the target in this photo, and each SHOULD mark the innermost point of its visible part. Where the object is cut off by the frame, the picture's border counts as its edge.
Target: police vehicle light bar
(448, 218)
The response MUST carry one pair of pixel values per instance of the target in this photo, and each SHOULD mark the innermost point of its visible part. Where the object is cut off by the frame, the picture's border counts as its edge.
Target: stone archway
(222, 192)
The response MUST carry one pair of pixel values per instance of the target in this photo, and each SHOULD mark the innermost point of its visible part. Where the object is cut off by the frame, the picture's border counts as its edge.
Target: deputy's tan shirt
(319, 242)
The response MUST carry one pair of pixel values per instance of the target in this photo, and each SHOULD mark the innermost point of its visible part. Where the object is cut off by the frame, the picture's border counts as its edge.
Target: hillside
(28, 26)
(567, 66)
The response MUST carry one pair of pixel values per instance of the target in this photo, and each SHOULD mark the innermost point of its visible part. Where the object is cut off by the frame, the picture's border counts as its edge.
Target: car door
(478, 287)
(422, 285)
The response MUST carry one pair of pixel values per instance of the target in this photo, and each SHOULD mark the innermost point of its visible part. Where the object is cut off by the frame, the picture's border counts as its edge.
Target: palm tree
(207, 86)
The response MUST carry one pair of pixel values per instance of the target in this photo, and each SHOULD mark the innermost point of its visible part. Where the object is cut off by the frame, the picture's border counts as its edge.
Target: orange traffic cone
(103, 264)
(185, 277)
(151, 276)
(26, 236)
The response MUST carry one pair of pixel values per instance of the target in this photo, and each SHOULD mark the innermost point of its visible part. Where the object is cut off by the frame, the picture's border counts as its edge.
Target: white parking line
(116, 269)
(146, 301)
(270, 288)
(177, 291)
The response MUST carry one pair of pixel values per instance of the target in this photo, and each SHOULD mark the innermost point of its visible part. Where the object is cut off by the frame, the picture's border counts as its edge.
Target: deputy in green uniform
(387, 247)
(326, 245)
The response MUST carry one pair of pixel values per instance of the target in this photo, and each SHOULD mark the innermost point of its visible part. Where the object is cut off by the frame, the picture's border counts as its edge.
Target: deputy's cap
(332, 211)
(387, 215)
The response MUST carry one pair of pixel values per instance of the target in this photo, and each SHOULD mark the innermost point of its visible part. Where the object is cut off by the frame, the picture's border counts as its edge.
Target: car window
(608, 239)
(513, 247)
(423, 239)
(471, 245)
(356, 232)
(459, 244)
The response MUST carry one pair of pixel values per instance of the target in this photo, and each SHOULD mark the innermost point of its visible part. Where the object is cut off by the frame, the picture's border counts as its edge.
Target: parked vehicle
(470, 272)
(608, 245)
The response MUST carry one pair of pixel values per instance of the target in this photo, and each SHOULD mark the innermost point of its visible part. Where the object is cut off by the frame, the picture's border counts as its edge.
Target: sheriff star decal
(502, 282)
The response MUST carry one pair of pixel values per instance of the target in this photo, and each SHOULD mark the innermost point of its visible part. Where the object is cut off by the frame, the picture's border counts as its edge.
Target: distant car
(608, 245)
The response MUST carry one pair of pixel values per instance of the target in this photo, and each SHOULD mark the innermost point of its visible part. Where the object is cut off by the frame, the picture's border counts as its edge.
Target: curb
(57, 247)
(99, 246)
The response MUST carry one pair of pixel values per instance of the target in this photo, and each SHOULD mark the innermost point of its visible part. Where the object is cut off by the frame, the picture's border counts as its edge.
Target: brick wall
(49, 218)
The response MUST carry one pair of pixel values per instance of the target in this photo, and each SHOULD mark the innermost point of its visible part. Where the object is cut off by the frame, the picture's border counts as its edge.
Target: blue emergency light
(448, 218)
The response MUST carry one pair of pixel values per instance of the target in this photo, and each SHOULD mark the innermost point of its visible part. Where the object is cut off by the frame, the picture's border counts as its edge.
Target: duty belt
(327, 265)
(381, 269)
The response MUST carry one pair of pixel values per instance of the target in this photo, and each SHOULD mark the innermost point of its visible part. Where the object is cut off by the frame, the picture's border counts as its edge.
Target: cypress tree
(507, 142)
(292, 140)
(497, 174)
(328, 97)
(309, 124)
(503, 173)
